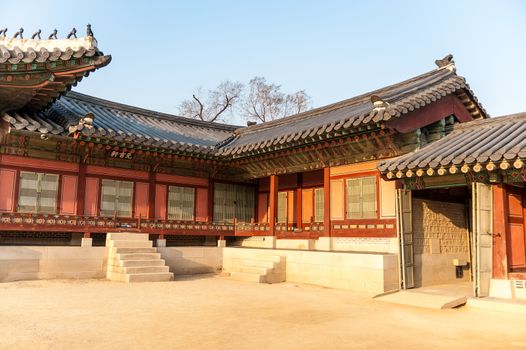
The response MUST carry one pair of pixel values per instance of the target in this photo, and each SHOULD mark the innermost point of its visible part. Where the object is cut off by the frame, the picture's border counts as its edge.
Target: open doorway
(441, 236)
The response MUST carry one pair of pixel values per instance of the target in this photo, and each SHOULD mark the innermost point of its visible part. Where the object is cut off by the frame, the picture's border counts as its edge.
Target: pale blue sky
(163, 50)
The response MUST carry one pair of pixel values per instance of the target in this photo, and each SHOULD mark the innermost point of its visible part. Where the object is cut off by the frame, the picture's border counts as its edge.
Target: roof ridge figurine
(36, 35)
(72, 33)
(89, 32)
(3, 31)
(19, 33)
(53, 35)
(445, 61)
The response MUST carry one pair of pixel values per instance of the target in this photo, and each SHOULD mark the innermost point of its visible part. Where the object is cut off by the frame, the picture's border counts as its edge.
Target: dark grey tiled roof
(91, 116)
(394, 101)
(490, 141)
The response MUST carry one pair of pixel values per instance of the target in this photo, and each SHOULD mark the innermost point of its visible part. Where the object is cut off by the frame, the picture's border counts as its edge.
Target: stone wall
(192, 260)
(343, 244)
(35, 262)
(440, 235)
(365, 272)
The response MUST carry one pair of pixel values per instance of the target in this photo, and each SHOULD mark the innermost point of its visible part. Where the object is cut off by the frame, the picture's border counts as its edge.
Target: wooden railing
(78, 223)
(89, 224)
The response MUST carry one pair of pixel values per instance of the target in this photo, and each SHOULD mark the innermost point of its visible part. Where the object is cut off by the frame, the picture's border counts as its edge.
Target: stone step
(127, 236)
(132, 250)
(139, 256)
(118, 264)
(129, 244)
(266, 257)
(149, 277)
(247, 277)
(259, 263)
(145, 269)
(138, 269)
(139, 263)
(254, 269)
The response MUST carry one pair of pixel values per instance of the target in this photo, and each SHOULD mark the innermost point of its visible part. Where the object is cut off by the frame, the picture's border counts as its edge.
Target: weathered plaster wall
(440, 235)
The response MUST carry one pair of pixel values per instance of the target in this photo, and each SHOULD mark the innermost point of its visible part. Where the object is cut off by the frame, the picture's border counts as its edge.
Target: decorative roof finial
(3, 32)
(378, 102)
(36, 35)
(19, 33)
(380, 109)
(53, 35)
(72, 33)
(89, 32)
(445, 61)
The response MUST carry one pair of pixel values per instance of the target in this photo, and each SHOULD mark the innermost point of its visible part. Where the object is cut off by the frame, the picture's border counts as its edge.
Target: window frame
(168, 202)
(132, 203)
(366, 174)
(313, 204)
(58, 192)
(254, 199)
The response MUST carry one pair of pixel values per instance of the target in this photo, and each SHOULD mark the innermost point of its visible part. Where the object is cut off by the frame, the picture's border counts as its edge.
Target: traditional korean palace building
(387, 178)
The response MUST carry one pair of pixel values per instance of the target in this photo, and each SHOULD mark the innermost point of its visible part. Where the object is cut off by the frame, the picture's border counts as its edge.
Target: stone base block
(221, 243)
(161, 243)
(324, 243)
(86, 242)
(500, 289)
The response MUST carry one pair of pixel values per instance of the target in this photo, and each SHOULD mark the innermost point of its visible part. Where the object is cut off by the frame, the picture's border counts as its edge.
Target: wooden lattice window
(319, 202)
(233, 201)
(181, 203)
(361, 198)
(282, 207)
(116, 198)
(37, 193)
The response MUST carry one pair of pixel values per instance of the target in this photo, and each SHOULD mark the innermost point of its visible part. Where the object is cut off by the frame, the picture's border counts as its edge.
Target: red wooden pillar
(81, 189)
(151, 195)
(273, 199)
(500, 224)
(327, 201)
(210, 200)
(299, 216)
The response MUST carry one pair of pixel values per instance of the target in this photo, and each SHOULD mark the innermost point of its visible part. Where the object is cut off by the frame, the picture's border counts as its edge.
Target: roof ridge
(343, 103)
(148, 112)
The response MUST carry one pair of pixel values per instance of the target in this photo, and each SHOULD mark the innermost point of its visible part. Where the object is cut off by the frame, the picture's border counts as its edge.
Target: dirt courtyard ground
(211, 312)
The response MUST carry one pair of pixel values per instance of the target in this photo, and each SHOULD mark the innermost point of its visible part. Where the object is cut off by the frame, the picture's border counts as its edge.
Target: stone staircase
(132, 258)
(259, 268)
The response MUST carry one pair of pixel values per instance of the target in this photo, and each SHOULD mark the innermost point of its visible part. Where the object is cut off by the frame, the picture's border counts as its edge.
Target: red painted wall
(312, 178)
(116, 172)
(68, 198)
(288, 181)
(182, 180)
(160, 202)
(263, 208)
(7, 190)
(38, 164)
(91, 202)
(201, 206)
(142, 199)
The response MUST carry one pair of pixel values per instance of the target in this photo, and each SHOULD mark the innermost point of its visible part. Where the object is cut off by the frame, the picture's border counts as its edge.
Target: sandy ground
(210, 312)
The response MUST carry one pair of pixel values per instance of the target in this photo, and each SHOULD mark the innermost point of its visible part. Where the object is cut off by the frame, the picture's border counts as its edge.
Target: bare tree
(261, 102)
(211, 106)
(264, 102)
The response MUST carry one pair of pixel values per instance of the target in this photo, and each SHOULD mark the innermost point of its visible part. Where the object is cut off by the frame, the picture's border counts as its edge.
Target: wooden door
(482, 237)
(405, 233)
(516, 236)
